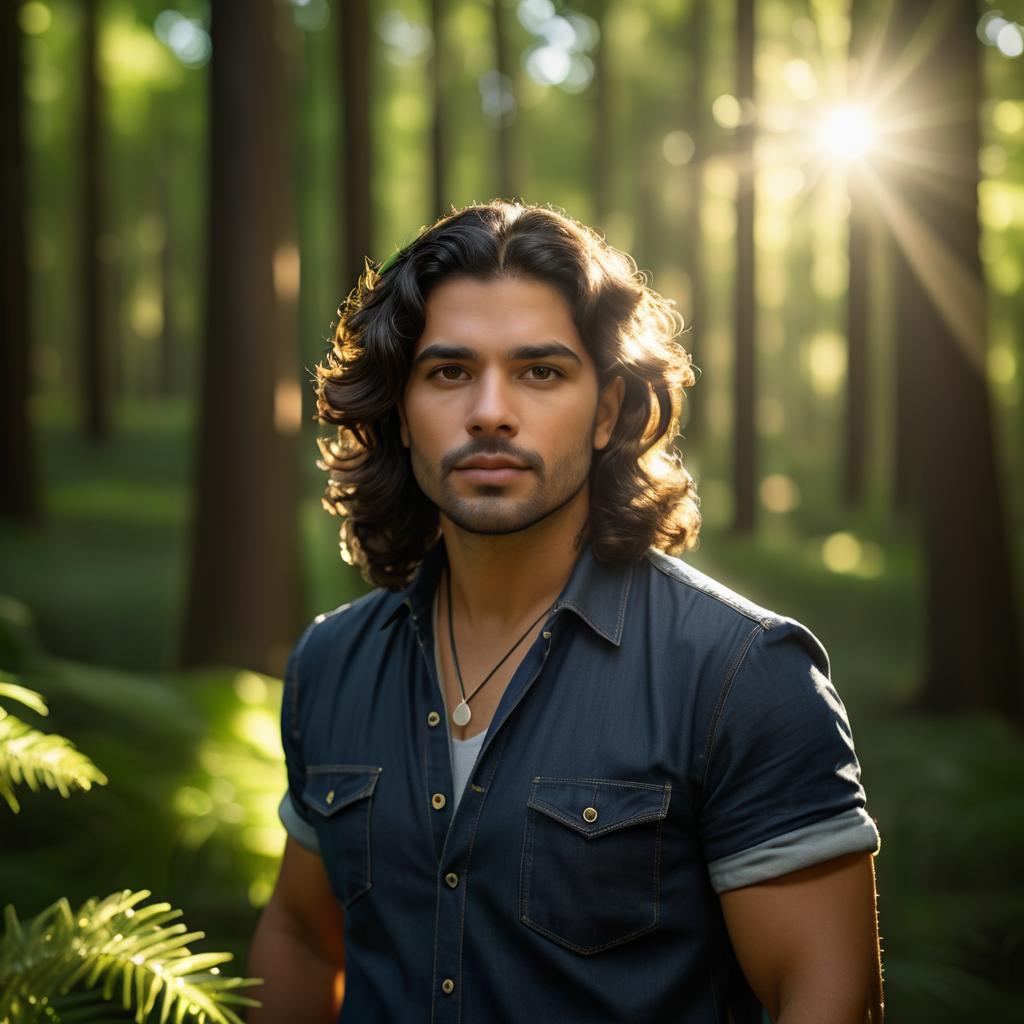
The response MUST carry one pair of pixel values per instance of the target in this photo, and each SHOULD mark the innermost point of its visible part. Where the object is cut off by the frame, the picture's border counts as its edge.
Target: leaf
(136, 955)
(33, 757)
(25, 696)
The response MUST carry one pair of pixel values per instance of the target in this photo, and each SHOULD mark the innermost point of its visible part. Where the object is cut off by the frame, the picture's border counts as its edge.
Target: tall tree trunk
(696, 124)
(19, 494)
(972, 655)
(438, 150)
(243, 597)
(745, 450)
(858, 294)
(506, 147)
(169, 377)
(356, 156)
(94, 368)
(601, 159)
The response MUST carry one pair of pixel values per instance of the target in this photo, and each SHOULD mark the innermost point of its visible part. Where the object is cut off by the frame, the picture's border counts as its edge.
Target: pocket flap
(332, 787)
(595, 806)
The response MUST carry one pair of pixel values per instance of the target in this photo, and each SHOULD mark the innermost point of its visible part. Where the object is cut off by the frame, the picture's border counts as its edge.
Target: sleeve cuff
(853, 831)
(301, 831)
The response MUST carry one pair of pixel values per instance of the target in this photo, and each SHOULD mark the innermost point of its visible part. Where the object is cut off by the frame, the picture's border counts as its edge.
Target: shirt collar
(596, 591)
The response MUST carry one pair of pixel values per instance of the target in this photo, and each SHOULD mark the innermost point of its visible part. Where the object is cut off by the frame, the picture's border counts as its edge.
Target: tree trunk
(695, 411)
(243, 596)
(438, 150)
(94, 367)
(19, 495)
(858, 295)
(745, 450)
(601, 156)
(356, 156)
(972, 655)
(506, 147)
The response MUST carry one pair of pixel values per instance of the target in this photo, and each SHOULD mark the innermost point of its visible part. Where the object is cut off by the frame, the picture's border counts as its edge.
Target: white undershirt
(463, 752)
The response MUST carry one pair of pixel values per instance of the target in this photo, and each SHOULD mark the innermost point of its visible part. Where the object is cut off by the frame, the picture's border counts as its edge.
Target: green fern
(30, 756)
(137, 957)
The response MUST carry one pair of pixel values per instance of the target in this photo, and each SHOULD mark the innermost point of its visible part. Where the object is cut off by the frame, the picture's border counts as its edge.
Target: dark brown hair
(640, 492)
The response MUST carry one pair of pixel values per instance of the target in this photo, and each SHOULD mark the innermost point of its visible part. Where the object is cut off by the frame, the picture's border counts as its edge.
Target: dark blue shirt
(663, 740)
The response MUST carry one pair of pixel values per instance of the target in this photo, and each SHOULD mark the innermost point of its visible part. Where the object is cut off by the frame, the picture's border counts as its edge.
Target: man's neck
(497, 581)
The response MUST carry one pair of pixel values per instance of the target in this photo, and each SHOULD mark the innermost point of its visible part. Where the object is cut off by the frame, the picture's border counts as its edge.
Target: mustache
(491, 447)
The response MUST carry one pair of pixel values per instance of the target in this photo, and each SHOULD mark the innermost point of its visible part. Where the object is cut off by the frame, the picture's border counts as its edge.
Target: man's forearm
(298, 986)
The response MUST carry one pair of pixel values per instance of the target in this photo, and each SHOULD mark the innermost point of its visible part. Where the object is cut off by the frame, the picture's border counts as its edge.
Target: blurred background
(831, 191)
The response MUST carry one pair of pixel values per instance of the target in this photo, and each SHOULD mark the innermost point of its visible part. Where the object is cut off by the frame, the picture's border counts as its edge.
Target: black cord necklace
(461, 715)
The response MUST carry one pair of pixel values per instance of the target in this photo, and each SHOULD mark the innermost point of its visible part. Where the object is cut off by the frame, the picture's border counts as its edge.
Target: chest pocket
(590, 871)
(342, 795)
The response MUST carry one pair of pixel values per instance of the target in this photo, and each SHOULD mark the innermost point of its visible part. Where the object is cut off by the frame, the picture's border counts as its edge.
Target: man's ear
(403, 424)
(609, 404)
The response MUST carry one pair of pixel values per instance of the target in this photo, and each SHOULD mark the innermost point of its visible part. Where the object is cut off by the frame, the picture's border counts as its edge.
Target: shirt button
(452, 879)
(547, 634)
(589, 814)
(447, 986)
(433, 718)
(437, 800)
(330, 797)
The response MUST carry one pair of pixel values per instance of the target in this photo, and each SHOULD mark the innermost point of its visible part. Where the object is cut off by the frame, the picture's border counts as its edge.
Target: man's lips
(491, 462)
(483, 469)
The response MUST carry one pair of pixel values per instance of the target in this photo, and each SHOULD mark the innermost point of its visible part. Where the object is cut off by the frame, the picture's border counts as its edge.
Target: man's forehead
(503, 312)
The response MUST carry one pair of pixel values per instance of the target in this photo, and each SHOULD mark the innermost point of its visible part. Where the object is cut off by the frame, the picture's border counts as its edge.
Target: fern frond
(134, 954)
(30, 756)
(25, 696)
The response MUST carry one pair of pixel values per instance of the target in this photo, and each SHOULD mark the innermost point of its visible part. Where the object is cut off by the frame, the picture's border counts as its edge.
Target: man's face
(502, 381)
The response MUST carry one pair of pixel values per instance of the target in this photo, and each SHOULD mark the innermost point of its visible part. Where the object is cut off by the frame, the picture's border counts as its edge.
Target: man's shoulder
(362, 617)
(693, 594)
(684, 583)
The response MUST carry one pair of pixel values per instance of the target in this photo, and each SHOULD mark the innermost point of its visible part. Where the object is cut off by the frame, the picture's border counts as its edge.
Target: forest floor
(104, 579)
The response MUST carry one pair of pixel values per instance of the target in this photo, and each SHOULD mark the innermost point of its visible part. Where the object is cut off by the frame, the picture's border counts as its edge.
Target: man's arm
(299, 947)
(807, 942)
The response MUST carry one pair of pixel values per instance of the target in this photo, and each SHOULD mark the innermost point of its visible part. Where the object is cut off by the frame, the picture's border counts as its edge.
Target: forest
(830, 191)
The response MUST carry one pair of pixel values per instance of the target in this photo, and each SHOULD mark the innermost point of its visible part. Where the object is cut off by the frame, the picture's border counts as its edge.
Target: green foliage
(131, 950)
(33, 757)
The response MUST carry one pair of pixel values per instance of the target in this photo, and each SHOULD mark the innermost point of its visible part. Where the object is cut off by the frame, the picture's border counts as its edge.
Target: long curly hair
(641, 494)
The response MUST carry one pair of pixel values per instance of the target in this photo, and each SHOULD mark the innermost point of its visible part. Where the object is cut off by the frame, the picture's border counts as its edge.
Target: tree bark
(972, 657)
(858, 297)
(696, 123)
(745, 385)
(94, 367)
(356, 156)
(506, 147)
(19, 492)
(438, 150)
(243, 595)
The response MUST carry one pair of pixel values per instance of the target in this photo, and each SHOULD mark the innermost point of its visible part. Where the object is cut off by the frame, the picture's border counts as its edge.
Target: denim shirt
(663, 740)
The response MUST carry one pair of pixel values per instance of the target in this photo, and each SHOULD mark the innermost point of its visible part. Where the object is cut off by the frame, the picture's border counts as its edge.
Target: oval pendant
(461, 715)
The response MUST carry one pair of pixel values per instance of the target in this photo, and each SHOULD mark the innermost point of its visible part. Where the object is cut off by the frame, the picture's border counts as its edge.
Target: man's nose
(492, 410)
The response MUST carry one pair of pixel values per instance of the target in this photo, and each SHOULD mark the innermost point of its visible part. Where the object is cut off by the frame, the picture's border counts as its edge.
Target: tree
(928, 200)
(744, 380)
(858, 293)
(243, 593)
(356, 156)
(19, 494)
(506, 149)
(439, 152)
(95, 352)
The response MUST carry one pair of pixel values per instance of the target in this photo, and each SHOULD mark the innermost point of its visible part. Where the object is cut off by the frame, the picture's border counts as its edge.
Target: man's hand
(808, 942)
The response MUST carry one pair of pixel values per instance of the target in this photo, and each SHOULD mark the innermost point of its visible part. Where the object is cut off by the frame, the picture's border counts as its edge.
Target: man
(547, 772)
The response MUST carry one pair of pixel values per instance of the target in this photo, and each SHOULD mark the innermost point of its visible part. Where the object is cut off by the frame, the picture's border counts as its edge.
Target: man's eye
(544, 372)
(447, 372)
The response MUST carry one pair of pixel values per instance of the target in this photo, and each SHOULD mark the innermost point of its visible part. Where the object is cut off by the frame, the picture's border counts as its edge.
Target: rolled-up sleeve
(292, 810)
(782, 788)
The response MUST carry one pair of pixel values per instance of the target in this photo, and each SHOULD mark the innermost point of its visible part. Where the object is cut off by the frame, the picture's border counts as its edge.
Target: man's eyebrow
(543, 350)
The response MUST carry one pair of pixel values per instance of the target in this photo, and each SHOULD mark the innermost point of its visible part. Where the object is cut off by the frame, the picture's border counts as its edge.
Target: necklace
(461, 715)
